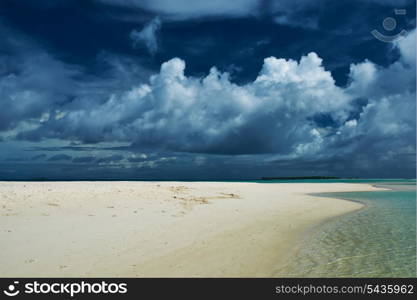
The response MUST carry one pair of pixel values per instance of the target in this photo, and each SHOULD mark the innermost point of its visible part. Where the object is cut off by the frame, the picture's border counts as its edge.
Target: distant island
(298, 178)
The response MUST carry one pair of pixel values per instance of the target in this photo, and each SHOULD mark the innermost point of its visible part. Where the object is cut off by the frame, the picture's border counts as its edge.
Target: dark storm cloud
(38, 157)
(33, 77)
(83, 159)
(111, 159)
(319, 90)
(302, 13)
(59, 157)
(214, 115)
(69, 148)
(183, 9)
(16, 159)
(342, 38)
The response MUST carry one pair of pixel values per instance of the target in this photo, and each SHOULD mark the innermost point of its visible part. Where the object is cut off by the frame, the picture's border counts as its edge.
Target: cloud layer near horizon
(291, 108)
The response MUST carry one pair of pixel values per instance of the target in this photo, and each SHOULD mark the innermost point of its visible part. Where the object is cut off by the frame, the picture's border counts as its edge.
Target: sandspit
(158, 229)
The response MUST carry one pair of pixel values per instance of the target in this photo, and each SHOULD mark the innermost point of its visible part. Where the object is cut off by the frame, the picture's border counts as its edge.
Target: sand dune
(143, 229)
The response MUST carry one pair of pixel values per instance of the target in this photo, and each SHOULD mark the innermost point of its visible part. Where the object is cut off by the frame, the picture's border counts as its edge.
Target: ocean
(376, 241)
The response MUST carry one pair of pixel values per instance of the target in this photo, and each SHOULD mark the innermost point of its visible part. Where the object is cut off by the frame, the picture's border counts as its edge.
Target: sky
(207, 90)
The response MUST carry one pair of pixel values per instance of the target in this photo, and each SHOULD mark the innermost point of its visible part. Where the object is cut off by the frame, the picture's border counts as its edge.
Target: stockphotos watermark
(390, 24)
(72, 289)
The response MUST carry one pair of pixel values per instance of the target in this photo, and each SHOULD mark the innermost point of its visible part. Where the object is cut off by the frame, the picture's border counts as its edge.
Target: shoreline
(159, 229)
(320, 247)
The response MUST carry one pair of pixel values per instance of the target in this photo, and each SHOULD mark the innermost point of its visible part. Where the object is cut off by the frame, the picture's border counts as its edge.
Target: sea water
(376, 241)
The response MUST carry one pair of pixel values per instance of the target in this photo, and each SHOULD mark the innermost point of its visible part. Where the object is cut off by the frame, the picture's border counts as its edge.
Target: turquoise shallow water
(372, 181)
(377, 241)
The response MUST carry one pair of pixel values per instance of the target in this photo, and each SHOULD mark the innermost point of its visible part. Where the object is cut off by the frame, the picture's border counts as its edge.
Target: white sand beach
(158, 229)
